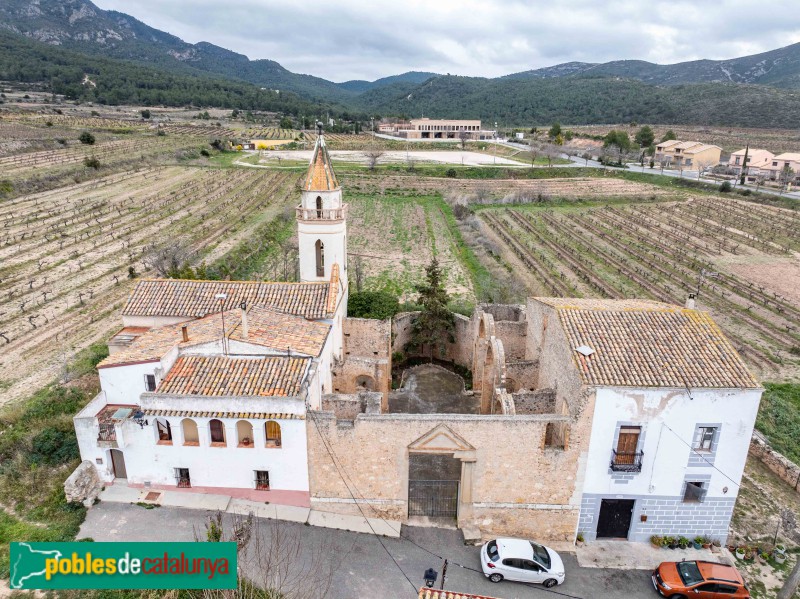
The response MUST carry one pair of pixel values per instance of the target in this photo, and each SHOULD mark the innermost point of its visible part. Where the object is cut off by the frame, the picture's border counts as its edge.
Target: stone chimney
(245, 330)
(690, 302)
(185, 333)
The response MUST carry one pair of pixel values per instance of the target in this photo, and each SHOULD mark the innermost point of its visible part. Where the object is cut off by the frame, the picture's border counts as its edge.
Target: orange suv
(699, 580)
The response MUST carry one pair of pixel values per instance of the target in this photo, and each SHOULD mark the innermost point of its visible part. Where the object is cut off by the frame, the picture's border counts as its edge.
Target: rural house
(614, 418)
(784, 167)
(757, 161)
(690, 155)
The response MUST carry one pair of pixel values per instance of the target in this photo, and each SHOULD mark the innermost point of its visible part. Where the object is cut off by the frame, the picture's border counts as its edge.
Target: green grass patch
(779, 418)
(38, 451)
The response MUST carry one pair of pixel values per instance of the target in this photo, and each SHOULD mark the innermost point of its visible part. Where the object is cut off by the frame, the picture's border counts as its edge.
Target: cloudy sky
(368, 39)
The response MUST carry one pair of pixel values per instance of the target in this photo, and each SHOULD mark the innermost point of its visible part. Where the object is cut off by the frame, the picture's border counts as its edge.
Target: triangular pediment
(441, 438)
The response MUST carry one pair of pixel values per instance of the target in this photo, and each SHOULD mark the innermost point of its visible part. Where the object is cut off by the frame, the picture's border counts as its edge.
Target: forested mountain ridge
(778, 68)
(48, 41)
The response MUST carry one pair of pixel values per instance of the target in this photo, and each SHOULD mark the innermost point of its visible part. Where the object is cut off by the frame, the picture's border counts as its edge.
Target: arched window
(319, 206)
(163, 430)
(217, 431)
(189, 428)
(320, 250)
(273, 430)
(244, 433)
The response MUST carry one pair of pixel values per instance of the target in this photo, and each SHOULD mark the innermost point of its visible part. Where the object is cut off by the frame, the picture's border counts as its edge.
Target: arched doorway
(118, 464)
(365, 383)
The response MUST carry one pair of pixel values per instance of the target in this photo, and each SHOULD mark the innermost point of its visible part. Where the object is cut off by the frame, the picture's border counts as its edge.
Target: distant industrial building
(426, 128)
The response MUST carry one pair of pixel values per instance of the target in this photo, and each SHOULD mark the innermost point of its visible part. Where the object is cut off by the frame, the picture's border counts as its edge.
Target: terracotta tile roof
(213, 414)
(194, 299)
(427, 593)
(320, 176)
(640, 343)
(216, 376)
(266, 328)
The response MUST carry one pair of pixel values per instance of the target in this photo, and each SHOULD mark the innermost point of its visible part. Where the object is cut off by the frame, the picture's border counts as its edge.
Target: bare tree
(289, 258)
(463, 135)
(372, 156)
(533, 152)
(702, 165)
(167, 259)
(274, 559)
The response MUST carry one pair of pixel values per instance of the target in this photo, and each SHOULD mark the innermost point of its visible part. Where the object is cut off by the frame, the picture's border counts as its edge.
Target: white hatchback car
(521, 560)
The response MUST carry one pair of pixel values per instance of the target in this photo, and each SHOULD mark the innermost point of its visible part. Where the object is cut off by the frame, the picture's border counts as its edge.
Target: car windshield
(540, 555)
(491, 551)
(690, 573)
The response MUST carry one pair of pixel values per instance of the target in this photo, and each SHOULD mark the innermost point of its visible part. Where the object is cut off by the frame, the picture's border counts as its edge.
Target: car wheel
(496, 577)
(550, 582)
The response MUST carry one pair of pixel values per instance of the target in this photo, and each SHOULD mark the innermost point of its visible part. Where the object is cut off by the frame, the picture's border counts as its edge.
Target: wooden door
(615, 518)
(627, 444)
(118, 463)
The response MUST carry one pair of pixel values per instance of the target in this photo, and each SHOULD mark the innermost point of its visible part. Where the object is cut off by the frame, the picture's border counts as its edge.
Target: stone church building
(610, 418)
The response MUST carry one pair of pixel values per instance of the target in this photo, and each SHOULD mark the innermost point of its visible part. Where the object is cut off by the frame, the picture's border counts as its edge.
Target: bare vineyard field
(585, 188)
(65, 254)
(270, 133)
(658, 251)
(729, 139)
(395, 238)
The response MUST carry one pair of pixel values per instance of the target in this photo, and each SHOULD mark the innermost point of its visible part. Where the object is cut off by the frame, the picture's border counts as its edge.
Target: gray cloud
(360, 39)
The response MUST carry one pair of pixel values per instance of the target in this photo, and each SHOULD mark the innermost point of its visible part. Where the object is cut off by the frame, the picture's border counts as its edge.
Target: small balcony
(626, 462)
(321, 214)
(107, 436)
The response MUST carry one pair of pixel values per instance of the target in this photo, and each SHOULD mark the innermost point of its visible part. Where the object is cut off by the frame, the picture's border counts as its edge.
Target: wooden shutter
(627, 444)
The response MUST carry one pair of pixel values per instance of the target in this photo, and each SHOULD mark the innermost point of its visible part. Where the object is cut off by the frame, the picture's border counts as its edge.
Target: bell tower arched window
(320, 251)
(319, 206)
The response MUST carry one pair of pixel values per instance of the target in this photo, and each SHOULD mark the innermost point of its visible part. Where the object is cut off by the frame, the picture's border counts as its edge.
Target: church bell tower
(321, 220)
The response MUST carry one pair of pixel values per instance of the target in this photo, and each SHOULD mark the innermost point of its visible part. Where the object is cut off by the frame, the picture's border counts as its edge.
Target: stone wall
(367, 363)
(521, 375)
(348, 406)
(547, 343)
(787, 470)
(518, 488)
(541, 401)
(459, 352)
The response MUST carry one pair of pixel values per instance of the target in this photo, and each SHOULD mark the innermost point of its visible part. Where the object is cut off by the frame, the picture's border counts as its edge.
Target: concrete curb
(271, 511)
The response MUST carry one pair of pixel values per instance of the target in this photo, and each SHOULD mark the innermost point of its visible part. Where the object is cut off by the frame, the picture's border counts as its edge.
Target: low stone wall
(541, 401)
(348, 406)
(787, 470)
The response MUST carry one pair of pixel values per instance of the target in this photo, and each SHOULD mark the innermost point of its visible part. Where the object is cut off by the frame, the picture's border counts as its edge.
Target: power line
(339, 470)
(682, 440)
(334, 460)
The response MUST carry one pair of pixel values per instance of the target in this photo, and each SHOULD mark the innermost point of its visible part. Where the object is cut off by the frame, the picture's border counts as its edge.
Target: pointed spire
(320, 176)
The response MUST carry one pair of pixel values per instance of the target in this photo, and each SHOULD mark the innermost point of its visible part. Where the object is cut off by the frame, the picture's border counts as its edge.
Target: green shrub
(372, 304)
(91, 162)
(725, 187)
(779, 418)
(54, 446)
(451, 172)
(86, 138)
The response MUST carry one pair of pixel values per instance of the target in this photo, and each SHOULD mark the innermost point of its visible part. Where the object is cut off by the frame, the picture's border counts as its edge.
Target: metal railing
(626, 461)
(321, 213)
(107, 432)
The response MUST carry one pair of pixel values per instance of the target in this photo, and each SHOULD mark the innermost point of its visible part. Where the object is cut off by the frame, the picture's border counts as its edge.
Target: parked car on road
(699, 580)
(521, 560)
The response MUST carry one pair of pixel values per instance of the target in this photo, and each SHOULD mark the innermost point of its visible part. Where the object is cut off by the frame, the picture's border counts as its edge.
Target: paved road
(360, 566)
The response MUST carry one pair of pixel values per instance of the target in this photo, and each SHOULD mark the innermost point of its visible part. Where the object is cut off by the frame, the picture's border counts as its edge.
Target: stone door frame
(441, 439)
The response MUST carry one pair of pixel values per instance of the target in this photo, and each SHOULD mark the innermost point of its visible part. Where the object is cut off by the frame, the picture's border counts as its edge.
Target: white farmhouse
(674, 410)
(208, 383)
